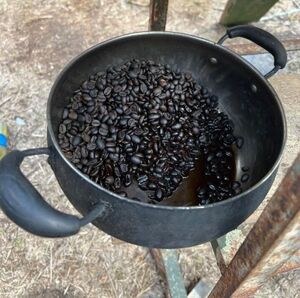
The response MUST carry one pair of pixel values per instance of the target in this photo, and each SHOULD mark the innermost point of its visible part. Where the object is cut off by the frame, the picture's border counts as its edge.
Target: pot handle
(262, 38)
(24, 205)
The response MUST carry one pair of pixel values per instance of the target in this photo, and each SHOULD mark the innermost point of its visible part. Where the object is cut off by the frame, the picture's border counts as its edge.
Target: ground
(37, 39)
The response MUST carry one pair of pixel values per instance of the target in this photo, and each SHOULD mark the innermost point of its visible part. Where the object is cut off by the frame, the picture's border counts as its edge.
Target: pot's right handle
(24, 205)
(264, 39)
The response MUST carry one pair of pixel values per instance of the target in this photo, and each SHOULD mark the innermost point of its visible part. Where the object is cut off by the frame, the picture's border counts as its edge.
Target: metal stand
(272, 246)
(158, 15)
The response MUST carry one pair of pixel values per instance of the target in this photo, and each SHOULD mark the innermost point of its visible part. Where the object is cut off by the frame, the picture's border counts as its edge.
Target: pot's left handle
(24, 205)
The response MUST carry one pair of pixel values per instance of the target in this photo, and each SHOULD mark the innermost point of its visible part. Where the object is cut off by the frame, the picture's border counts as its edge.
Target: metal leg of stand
(158, 15)
(274, 239)
(272, 246)
(271, 243)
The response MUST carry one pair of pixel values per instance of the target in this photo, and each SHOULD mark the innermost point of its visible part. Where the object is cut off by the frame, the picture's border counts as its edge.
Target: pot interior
(243, 94)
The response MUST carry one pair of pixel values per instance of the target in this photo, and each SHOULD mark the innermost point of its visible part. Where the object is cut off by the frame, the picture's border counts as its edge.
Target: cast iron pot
(245, 95)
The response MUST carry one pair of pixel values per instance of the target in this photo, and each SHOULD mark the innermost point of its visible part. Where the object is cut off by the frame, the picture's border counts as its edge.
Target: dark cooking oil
(186, 193)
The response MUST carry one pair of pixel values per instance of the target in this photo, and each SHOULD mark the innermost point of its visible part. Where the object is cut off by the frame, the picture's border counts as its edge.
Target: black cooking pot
(245, 95)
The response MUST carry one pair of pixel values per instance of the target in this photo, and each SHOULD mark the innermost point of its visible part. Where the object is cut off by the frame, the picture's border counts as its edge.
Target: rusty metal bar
(226, 247)
(292, 264)
(158, 15)
(272, 241)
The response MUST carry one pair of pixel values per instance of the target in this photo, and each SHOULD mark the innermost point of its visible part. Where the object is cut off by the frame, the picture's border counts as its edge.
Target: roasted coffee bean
(237, 191)
(152, 186)
(93, 93)
(107, 91)
(158, 194)
(122, 194)
(245, 169)
(103, 131)
(110, 144)
(124, 168)
(162, 82)
(111, 149)
(210, 157)
(119, 110)
(88, 118)
(91, 146)
(239, 142)
(62, 128)
(219, 154)
(87, 97)
(123, 122)
(128, 180)
(136, 160)
(96, 123)
(228, 153)
(100, 143)
(131, 122)
(75, 160)
(176, 180)
(236, 185)
(76, 140)
(136, 139)
(229, 139)
(201, 192)
(84, 152)
(163, 121)
(143, 88)
(64, 145)
(117, 89)
(114, 156)
(177, 126)
(195, 130)
(128, 149)
(117, 183)
(65, 114)
(157, 91)
(142, 179)
(153, 117)
(117, 171)
(128, 138)
(73, 115)
(245, 178)
(109, 180)
(80, 118)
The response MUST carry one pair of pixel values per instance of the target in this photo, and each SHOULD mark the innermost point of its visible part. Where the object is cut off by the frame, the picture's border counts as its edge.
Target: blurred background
(37, 39)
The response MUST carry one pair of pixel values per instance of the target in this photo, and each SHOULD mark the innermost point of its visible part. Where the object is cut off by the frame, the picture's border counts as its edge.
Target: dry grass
(37, 39)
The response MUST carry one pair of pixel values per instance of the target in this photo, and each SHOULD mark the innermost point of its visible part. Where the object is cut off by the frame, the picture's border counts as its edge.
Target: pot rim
(185, 36)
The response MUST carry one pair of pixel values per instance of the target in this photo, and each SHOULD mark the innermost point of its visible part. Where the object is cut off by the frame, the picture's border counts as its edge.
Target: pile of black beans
(143, 122)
